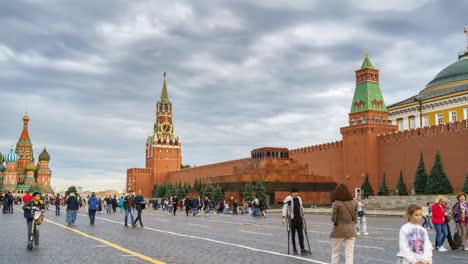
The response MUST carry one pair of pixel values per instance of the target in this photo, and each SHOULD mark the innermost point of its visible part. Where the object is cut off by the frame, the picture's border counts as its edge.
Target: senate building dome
(443, 100)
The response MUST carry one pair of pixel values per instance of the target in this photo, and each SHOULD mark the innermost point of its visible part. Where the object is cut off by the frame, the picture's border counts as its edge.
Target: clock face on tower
(166, 128)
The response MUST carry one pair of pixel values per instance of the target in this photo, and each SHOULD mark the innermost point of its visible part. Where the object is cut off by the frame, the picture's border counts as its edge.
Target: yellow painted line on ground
(110, 244)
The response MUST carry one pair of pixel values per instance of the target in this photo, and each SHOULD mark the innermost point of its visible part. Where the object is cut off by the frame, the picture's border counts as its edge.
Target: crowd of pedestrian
(348, 218)
(196, 206)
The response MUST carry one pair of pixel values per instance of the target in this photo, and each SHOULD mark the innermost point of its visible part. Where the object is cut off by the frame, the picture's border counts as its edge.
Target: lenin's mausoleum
(377, 139)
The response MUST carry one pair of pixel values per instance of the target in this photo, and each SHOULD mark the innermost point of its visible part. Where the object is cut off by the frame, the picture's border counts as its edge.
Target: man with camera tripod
(293, 213)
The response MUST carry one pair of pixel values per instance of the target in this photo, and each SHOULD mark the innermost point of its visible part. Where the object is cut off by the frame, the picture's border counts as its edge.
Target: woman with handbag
(460, 215)
(438, 219)
(344, 227)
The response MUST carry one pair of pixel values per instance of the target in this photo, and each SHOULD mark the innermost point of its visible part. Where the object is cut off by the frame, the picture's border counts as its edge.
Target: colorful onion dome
(11, 156)
(2, 168)
(44, 156)
(31, 167)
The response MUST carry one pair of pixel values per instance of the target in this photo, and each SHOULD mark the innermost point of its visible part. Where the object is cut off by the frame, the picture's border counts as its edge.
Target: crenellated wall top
(456, 126)
(320, 147)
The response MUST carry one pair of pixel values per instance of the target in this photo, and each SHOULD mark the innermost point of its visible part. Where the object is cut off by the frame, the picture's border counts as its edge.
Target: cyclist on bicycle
(30, 209)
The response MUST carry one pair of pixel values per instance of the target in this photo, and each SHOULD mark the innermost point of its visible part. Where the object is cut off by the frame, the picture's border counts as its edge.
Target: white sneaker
(442, 249)
(366, 234)
(358, 233)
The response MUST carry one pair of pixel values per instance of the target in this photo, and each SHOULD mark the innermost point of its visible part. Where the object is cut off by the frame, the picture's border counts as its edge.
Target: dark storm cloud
(241, 74)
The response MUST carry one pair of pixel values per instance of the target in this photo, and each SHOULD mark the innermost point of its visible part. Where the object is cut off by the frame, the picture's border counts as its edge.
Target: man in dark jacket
(175, 201)
(72, 209)
(140, 204)
(129, 204)
(114, 204)
(195, 204)
(31, 208)
(188, 205)
(92, 207)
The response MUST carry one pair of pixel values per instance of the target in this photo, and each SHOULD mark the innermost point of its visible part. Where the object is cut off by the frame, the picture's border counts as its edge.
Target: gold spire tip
(366, 54)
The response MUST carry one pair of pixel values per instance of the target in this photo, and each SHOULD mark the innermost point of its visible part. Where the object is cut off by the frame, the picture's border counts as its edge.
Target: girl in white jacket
(415, 246)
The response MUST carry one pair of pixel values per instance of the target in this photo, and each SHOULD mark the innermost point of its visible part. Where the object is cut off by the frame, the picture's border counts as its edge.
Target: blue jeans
(427, 222)
(254, 212)
(92, 216)
(194, 211)
(71, 216)
(441, 234)
(128, 211)
(57, 209)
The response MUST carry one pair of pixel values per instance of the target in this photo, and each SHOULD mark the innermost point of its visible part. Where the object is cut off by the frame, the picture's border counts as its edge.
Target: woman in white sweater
(415, 246)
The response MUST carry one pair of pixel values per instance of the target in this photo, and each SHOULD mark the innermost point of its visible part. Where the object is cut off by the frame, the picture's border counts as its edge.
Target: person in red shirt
(438, 219)
(27, 197)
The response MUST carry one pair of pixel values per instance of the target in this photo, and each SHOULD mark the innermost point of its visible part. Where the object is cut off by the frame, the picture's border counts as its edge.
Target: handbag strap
(352, 215)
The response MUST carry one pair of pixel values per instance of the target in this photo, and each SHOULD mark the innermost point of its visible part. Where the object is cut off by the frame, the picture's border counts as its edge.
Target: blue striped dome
(11, 156)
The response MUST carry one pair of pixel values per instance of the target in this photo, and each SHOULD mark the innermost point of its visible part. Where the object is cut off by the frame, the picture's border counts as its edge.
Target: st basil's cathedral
(18, 171)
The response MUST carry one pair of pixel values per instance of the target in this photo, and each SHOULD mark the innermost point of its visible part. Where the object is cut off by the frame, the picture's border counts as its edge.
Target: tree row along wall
(323, 159)
(205, 171)
(400, 151)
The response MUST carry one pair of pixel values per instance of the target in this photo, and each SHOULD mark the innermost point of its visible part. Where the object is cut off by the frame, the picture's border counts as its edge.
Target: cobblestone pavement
(202, 239)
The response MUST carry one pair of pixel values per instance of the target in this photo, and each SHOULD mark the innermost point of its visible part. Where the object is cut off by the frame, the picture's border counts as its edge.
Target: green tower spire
(367, 94)
(164, 95)
(366, 63)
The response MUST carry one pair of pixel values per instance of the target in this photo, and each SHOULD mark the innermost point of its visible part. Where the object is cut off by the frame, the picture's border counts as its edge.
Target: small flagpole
(466, 35)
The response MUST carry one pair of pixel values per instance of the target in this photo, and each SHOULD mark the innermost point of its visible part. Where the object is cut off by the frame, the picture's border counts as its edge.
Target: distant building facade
(20, 172)
(370, 145)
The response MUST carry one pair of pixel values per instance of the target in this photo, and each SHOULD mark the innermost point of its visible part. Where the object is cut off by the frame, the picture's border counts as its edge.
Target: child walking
(415, 246)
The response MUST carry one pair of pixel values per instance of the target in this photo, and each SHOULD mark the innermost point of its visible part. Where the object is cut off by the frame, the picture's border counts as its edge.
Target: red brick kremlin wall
(205, 171)
(140, 179)
(323, 160)
(400, 150)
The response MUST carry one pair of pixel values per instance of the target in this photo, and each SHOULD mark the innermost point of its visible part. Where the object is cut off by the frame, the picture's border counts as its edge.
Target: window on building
(412, 122)
(400, 124)
(363, 119)
(439, 119)
(466, 113)
(374, 120)
(453, 116)
(382, 120)
(425, 120)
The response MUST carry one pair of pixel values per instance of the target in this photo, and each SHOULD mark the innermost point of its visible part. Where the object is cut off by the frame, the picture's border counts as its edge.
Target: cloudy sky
(241, 74)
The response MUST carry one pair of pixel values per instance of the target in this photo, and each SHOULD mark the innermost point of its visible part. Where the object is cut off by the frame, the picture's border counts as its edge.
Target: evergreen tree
(197, 185)
(70, 190)
(383, 190)
(260, 190)
(248, 191)
(208, 191)
(367, 187)
(155, 191)
(218, 194)
(401, 186)
(465, 186)
(162, 190)
(420, 176)
(438, 182)
(186, 188)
